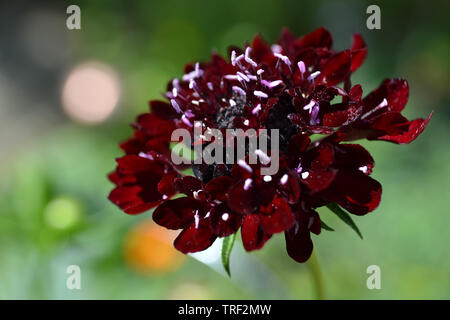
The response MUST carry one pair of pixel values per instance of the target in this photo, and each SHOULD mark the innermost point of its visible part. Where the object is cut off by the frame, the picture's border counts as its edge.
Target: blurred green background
(54, 158)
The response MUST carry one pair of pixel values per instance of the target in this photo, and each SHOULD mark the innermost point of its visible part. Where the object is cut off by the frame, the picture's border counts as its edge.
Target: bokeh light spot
(62, 213)
(90, 92)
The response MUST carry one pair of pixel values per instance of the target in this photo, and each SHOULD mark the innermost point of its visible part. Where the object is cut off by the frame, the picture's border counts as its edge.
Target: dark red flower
(291, 86)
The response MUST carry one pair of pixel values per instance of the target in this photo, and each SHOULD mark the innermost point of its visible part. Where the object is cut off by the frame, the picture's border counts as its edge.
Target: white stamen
(193, 74)
(231, 77)
(252, 77)
(243, 76)
(208, 214)
(260, 72)
(383, 104)
(239, 90)
(210, 86)
(196, 219)
(265, 159)
(146, 156)
(248, 59)
(301, 66)
(363, 169)
(174, 92)
(244, 165)
(283, 58)
(256, 109)
(313, 75)
(164, 197)
(310, 106)
(175, 105)
(305, 174)
(232, 102)
(195, 102)
(239, 58)
(276, 48)
(267, 178)
(246, 122)
(271, 84)
(247, 184)
(284, 179)
(186, 120)
(260, 94)
(233, 57)
(225, 216)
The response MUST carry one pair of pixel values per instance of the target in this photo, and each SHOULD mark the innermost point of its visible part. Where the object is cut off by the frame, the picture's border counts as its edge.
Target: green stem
(316, 275)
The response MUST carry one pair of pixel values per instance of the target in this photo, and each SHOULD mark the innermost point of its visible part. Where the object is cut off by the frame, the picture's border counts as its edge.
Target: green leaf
(344, 216)
(325, 226)
(227, 246)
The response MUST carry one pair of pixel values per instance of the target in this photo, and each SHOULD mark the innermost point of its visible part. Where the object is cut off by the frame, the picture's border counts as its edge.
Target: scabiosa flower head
(290, 86)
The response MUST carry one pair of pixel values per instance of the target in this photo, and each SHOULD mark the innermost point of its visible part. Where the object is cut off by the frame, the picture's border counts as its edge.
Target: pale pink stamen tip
(256, 109)
(186, 121)
(244, 165)
(260, 94)
(310, 105)
(247, 184)
(238, 90)
(301, 66)
(265, 159)
(313, 75)
(284, 179)
(175, 105)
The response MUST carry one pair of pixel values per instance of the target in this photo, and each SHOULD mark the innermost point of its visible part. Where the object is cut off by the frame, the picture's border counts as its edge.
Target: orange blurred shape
(148, 249)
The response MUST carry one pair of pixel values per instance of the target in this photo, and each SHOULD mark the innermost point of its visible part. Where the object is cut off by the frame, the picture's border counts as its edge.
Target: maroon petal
(290, 188)
(244, 197)
(414, 129)
(187, 185)
(260, 48)
(132, 146)
(218, 187)
(355, 93)
(336, 69)
(162, 109)
(353, 157)
(224, 221)
(356, 192)
(277, 217)
(299, 245)
(395, 91)
(133, 199)
(359, 51)
(318, 181)
(253, 236)
(178, 213)
(166, 186)
(317, 39)
(298, 144)
(196, 237)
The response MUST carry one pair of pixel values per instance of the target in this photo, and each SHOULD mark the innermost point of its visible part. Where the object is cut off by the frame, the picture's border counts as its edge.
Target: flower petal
(277, 217)
(336, 69)
(395, 91)
(253, 236)
(224, 221)
(359, 51)
(299, 245)
(178, 213)
(195, 237)
(415, 128)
